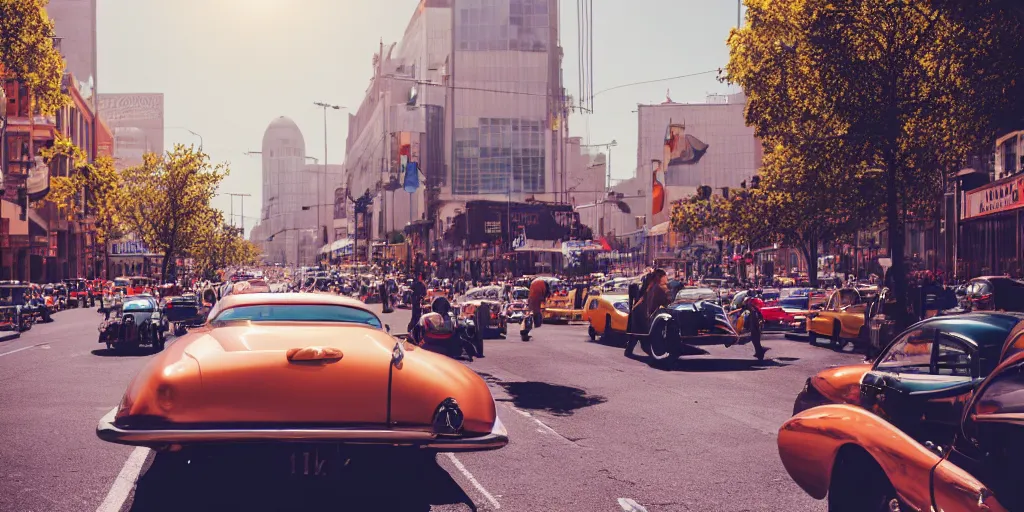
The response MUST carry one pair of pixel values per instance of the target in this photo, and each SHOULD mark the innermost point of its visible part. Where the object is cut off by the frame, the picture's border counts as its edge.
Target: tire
(664, 344)
(859, 484)
(812, 337)
(592, 333)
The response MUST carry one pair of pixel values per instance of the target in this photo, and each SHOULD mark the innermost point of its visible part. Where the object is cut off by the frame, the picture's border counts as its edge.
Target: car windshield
(122, 283)
(138, 305)
(298, 313)
(695, 294)
(520, 294)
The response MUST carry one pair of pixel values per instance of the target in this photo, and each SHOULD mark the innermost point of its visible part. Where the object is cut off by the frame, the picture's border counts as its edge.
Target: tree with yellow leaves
(905, 87)
(221, 246)
(27, 52)
(167, 201)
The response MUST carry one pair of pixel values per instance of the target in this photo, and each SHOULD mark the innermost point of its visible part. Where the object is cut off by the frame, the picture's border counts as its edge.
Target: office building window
(486, 25)
(501, 156)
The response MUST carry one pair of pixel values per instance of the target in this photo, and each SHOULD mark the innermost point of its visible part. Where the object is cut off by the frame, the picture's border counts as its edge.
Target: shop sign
(129, 248)
(994, 199)
(492, 227)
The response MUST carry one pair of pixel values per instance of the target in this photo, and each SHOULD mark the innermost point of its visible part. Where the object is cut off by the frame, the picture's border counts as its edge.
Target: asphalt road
(590, 429)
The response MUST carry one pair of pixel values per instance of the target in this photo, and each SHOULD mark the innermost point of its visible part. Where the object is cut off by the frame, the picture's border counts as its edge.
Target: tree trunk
(896, 240)
(810, 250)
(163, 265)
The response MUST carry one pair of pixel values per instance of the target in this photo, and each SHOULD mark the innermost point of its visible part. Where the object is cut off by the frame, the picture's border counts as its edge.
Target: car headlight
(448, 418)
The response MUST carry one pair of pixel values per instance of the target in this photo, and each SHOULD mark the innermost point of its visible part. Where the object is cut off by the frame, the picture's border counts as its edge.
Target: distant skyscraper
(75, 25)
(137, 122)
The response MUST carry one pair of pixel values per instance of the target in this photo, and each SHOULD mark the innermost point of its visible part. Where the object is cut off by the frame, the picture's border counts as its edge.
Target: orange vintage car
(842, 319)
(861, 462)
(302, 368)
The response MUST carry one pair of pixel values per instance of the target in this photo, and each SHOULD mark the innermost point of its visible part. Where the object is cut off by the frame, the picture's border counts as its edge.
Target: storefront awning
(660, 229)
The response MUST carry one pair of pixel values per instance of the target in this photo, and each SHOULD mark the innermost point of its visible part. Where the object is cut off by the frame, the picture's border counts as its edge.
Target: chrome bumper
(108, 431)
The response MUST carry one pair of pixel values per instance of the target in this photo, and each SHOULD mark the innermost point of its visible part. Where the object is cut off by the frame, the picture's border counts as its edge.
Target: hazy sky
(228, 67)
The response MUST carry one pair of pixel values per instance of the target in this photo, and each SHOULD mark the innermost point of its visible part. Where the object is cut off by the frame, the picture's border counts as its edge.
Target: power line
(718, 70)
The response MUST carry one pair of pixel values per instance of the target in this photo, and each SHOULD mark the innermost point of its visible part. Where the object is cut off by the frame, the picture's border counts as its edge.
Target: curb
(8, 336)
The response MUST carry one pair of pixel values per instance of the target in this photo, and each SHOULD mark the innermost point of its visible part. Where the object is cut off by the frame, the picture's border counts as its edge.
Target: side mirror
(387, 327)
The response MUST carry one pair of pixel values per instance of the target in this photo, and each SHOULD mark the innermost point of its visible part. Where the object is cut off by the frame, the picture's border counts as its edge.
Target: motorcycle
(517, 313)
(440, 330)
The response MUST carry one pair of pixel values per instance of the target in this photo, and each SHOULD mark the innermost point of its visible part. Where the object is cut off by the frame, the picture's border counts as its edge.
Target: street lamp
(608, 164)
(297, 241)
(319, 186)
(190, 131)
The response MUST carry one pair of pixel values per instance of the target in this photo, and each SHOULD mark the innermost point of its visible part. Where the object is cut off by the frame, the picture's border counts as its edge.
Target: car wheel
(860, 484)
(664, 344)
(592, 333)
(836, 341)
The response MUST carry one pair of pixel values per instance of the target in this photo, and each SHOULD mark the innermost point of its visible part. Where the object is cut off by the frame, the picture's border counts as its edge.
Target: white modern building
(293, 191)
(500, 90)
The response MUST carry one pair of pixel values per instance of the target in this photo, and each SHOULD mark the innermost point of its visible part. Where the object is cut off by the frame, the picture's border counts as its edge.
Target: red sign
(998, 197)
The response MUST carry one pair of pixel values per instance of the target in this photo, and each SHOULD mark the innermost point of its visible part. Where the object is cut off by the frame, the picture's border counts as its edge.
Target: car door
(982, 471)
(922, 381)
(598, 315)
(821, 324)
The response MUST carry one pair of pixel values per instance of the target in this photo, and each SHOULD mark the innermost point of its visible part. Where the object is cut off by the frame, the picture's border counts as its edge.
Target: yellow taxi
(608, 315)
(841, 320)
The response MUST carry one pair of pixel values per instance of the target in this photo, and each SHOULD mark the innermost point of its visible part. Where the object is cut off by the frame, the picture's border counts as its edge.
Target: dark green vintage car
(923, 378)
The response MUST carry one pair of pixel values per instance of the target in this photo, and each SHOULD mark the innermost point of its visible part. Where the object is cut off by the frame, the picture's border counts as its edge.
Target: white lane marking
(543, 427)
(469, 476)
(23, 348)
(125, 481)
(629, 505)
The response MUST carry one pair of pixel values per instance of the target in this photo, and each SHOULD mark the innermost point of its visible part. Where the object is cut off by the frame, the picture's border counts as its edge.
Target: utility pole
(242, 196)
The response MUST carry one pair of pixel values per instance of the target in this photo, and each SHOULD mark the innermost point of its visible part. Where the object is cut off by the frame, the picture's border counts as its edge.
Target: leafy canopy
(167, 200)
(27, 52)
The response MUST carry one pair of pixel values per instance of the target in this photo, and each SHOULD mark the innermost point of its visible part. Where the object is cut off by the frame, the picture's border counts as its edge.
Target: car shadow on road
(402, 484)
(553, 398)
(706, 364)
(110, 352)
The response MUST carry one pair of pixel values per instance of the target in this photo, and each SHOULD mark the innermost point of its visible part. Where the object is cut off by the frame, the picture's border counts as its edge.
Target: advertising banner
(995, 198)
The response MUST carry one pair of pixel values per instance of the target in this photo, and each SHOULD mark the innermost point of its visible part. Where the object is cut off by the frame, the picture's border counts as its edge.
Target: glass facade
(488, 25)
(500, 156)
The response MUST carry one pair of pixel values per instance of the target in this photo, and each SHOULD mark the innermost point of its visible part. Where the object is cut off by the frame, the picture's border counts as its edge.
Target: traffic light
(23, 204)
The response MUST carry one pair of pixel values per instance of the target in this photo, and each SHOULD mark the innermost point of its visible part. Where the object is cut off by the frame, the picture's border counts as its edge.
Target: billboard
(137, 123)
(995, 198)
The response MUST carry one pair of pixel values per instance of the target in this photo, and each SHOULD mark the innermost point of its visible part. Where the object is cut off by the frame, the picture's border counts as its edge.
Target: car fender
(841, 384)
(810, 442)
(661, 318)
